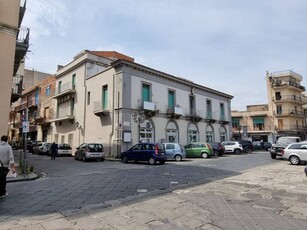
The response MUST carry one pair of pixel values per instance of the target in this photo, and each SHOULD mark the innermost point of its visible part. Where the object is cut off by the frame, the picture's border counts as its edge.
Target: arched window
(222, 134)
(209, 134)
(172, 132)
(146, 131)
(192, 133)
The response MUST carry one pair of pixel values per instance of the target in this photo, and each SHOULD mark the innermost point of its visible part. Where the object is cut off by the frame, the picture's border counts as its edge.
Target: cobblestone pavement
(267, 197)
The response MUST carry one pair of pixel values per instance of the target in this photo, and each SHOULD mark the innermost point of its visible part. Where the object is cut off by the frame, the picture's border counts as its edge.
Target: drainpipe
(113, 115)
(84, 110)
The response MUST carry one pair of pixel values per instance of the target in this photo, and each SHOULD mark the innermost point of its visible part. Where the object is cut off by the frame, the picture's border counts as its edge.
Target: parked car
(41, 148)
(281, 144)
(266, 145)
(174, 151)
(296, 153)
(150, 152)
(232, 147)
(90, 151)
(31, 145)
(218, 148)
(247, 146)
(199, 149)
(64, 150)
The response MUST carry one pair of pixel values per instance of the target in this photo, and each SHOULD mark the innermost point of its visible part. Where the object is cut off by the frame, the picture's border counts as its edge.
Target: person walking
(54, 150)
(7, 160)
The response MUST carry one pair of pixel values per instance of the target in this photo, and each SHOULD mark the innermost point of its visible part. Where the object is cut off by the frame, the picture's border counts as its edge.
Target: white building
(119, 103)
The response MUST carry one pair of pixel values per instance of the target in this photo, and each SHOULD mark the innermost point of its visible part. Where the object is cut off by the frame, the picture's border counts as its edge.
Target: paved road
(67, 184)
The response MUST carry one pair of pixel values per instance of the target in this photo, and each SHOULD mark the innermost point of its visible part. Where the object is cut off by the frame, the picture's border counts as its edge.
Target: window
(209, 109)
(209, 134)
(279, 109)
(36, 97)
(171, 99)
(48, 91)
(146, 92)
(192, 105)
(235, 122)
(278, 96)
(88, 98)
(105, 97)
(59, 86)
(170, 146)
(73, 80)
(222, 134)
(258, 123)
(222, 112)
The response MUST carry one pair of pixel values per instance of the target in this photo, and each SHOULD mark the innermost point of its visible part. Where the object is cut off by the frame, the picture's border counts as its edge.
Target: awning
(258, 120)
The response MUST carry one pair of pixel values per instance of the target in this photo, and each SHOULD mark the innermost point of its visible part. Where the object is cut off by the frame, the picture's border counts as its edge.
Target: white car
(296, 153)
(232, 147)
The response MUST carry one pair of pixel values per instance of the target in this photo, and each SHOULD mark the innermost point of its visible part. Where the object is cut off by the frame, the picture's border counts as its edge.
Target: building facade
(106, 97)
(14, 42)
(284, 115)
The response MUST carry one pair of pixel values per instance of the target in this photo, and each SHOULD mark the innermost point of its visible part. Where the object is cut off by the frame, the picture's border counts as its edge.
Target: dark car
(218, 148)
(90, 151)
(150, 152)
(31, 144)
(247, 146)
(258, 146)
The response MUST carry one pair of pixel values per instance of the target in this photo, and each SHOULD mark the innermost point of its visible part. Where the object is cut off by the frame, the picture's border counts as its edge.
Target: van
(281, 144)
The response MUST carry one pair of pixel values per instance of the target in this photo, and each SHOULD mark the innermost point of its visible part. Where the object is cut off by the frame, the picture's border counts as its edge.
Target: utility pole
(25, 130)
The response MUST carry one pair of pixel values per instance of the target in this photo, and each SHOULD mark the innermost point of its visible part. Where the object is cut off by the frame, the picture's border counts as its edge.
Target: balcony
(22, 45)
(32, 103)
(254, 129)
(42, 121)
(21, 107)
(291, 128)
(149, 108)
(290, 98)
(223, 120)
(63, 114)
(101, 109)
(16, 88)
(194, 115)
(290, 113)
(22, 10)
(65, 89)
(174, 112)
(287, 84)
(209, 118)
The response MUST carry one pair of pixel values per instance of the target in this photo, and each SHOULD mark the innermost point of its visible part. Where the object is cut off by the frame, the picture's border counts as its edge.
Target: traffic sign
(25, 126)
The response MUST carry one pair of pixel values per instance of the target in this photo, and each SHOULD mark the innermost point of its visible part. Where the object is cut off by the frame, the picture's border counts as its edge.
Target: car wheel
(273, 156)
(178, 158)
(237, 151)
(151, 161)
(83, 158)
(294, 160)
(204, 155)
(162, 162)
(248, 150)
(125, 159)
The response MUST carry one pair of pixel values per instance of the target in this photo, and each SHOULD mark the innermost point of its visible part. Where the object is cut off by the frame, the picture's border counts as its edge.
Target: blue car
(150, 152)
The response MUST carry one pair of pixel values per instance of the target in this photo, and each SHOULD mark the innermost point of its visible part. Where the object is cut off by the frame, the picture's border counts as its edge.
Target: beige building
(106, 97)
(14, 42)
(283, 115)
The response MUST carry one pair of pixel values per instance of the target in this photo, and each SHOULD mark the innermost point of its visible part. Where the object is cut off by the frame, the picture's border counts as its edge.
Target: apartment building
(36, 103)
(284, 115)
(106, 97)
(14, 43)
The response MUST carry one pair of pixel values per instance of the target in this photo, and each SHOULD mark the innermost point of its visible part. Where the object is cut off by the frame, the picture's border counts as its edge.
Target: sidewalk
(267, 197)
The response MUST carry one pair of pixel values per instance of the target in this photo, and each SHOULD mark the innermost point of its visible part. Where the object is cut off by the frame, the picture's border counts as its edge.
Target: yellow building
(14, 43)
(284, 115)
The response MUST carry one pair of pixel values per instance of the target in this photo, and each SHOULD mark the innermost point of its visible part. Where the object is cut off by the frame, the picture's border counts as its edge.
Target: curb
(21, 178)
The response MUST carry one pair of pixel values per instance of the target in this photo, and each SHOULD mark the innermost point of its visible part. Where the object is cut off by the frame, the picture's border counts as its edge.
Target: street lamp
(138, 118)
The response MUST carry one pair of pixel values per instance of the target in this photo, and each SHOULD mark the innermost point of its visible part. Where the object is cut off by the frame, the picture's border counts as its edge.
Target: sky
(221, 44)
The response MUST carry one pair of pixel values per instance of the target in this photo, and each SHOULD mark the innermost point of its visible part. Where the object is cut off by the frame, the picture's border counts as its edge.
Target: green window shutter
(171, 99)
(105, 97)
(146, 92)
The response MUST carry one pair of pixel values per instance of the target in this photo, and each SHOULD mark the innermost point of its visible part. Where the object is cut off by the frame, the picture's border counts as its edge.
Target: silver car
(296, 153)
(174, 151)
(90, 151)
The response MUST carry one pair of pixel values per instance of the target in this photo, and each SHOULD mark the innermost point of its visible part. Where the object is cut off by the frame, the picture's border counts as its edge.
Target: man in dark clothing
(54, 150)
(7, 159)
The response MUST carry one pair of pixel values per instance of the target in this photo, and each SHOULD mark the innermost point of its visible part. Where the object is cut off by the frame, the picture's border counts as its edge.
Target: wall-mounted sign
(127, 136)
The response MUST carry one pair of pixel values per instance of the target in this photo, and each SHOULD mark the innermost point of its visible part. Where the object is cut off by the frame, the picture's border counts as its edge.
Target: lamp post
(239, 128)
(138, 118)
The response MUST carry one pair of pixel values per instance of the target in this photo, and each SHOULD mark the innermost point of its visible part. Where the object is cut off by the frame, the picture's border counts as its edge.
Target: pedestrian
(7, 161)
(54, 150)
(262, 144)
